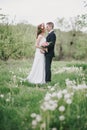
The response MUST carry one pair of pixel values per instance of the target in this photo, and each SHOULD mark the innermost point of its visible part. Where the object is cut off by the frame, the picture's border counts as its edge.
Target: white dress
(37, 73)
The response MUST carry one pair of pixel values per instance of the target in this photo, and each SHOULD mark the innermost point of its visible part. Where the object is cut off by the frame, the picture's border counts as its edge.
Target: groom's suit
(49, 55)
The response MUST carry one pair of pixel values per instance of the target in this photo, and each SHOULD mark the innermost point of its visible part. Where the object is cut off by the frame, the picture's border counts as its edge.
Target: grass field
(61, 105)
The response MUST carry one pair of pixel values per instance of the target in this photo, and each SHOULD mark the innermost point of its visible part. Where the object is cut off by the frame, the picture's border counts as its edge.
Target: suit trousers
(48, 61)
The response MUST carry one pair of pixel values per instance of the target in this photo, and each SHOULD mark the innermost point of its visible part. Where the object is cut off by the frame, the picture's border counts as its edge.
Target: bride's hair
(40, 29)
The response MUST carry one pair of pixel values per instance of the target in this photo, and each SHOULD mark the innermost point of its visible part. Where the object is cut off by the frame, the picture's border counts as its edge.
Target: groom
(51, 38)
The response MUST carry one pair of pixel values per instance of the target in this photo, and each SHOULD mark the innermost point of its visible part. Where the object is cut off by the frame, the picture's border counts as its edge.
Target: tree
(63, 26)
(6, 38)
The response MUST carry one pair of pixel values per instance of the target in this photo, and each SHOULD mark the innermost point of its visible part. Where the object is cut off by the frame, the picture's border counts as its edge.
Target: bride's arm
(38, 41)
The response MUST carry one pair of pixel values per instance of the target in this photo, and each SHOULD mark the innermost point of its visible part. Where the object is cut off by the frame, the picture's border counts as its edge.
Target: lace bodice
(40, 43)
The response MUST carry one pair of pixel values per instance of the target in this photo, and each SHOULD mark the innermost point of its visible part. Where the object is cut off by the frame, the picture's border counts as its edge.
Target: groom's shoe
(48, 81)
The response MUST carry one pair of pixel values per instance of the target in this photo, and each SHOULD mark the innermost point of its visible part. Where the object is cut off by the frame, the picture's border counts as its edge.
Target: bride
(37, 73)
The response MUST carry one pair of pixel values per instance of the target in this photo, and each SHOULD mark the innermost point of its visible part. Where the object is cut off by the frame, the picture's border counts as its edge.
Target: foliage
(17, 41)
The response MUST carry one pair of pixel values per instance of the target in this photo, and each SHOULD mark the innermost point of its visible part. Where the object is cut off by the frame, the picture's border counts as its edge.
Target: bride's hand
(46, 49)
(42, 51)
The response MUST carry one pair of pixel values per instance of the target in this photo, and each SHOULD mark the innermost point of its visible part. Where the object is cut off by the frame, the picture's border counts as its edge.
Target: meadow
(59, 105)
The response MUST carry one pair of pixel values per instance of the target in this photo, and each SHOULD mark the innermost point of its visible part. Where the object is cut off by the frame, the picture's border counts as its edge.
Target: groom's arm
(52, 41)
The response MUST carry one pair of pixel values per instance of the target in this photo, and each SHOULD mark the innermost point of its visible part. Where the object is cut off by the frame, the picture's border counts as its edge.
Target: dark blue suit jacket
(52, 39)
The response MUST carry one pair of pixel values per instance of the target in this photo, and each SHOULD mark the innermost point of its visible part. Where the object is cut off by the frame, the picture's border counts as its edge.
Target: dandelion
(42, 107)
(68, 101)
(34, 122)
(53, 107)
(2, 95)
(43, 125)
(78, 116)
(69, 70)
(54, 94)
(14, 76)
(66, 96)
(52, 102)
(21, 81)
(7, 100)
(45, 106)
(16, 86)
(72, 94)
(33, 115)
(47, 97)
(38, 118)
(11, 72)
(54, 128)
(49, 87)
(59, 94)
(52, 89)
(86, 95)
(61, 118)
(70, 83)
(64, 91)
(56, 84)
(61, 108)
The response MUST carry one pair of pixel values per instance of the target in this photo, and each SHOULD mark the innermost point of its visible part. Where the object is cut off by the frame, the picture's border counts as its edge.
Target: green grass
(20, 99)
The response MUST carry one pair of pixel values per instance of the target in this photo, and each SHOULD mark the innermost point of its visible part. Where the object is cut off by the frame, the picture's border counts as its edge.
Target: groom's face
(48, 27)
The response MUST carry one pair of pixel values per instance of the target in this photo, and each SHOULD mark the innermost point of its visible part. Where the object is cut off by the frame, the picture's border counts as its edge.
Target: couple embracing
(41, 68)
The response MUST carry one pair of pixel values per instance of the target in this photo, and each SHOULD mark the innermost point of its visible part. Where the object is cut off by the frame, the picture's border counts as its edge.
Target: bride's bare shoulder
(40, 36)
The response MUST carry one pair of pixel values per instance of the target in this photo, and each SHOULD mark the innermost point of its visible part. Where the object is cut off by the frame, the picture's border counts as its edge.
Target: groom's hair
(50, 24)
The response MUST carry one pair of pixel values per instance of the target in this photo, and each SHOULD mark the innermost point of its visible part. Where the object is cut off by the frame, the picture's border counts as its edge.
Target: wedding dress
(37, 73)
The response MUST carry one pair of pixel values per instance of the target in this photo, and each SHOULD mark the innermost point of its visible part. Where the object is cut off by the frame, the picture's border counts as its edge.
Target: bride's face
(44, 30)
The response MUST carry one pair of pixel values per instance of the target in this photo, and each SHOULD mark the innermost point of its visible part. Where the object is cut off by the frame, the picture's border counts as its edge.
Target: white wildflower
(69, 83)
(59, 94)
(47, 97)
(54, 128)
(34, 122)
(61, 118)
(7, 100)
(14, 76)
(11, 72)
(16, 86)
(33, 115)
(52, 102)
(72, 94)
(53, 107)
(54, 94)
(61, 108)
(45, 106)
(2, 95)
(69, 70)
(78, 116)
(38, 118)
(68, 101)
(43, 125)
(56, 84)
(52, 89)
(64, 91)
(49, 87)
(66, 96)
(86, 95)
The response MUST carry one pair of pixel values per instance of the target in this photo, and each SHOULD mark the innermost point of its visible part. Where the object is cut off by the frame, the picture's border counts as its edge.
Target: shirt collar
(51, 31)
